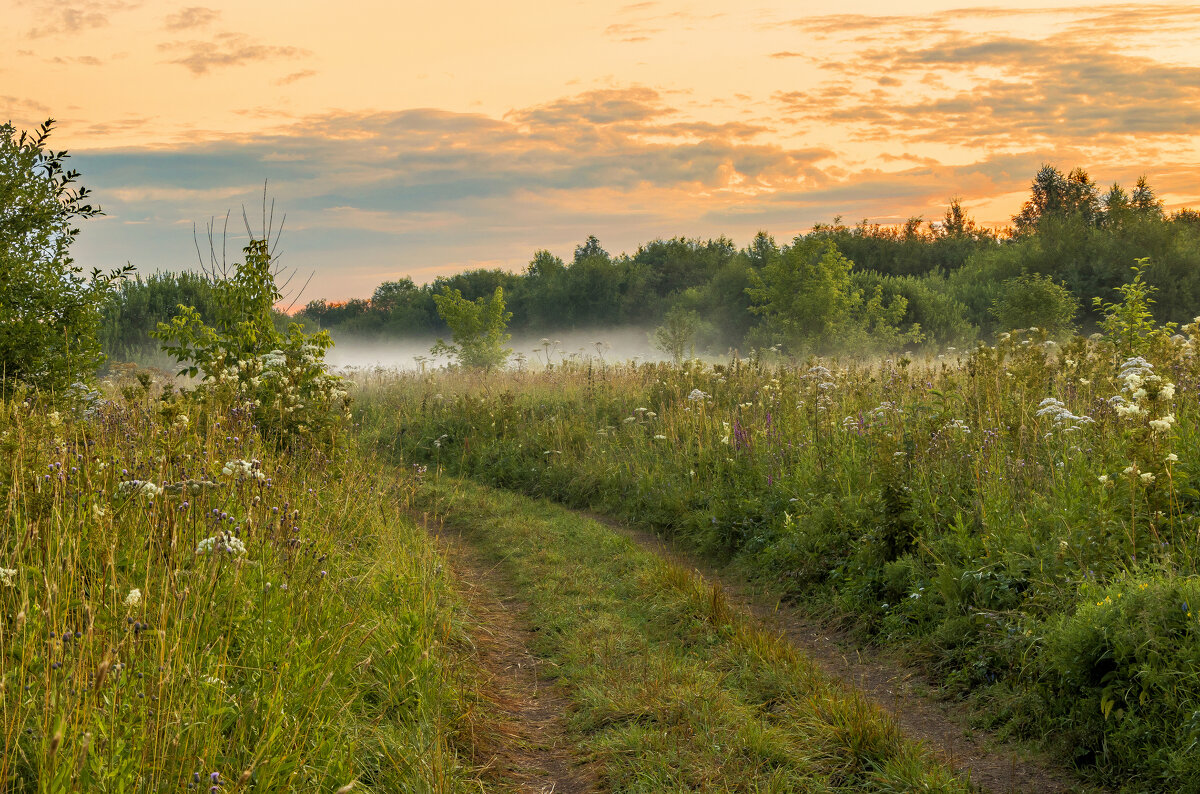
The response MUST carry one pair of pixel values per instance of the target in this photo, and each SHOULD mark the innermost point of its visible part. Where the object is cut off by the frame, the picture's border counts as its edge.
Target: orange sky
(421, 138)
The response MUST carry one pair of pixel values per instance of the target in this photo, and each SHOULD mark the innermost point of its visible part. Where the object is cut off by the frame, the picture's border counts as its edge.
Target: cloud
(227, 49)
(294, 76)
(190, 17)
(22, 112)
(82, 60)
(604, 106)
(918, 79)
(427, 186)
(74, 16)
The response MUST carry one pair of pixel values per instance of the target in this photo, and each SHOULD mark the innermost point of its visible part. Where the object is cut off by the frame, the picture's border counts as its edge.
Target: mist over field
(610, 344)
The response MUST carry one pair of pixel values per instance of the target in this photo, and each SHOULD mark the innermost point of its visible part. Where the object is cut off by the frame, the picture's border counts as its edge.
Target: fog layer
(608, 344)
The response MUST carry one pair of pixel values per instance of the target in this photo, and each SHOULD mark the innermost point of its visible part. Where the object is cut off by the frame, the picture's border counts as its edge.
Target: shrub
(283, 378)
(49, 312)
(1034, 300)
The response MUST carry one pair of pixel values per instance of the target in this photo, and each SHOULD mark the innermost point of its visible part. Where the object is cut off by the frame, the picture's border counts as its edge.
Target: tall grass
(184, 607)
(1021, 518)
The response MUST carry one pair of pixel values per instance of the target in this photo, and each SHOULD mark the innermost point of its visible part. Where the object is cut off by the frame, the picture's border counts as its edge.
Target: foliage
(967, 509)
(809, 304)
(241, 351)
(478, 329)
(181, 600)
(950, 271)
(139, 305)
(1130, 323)
(49, 312)
(1034, 300)
(677, 335)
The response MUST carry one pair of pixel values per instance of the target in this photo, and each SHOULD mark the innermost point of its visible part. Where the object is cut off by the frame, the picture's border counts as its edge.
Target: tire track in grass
(671, 688)
(889, 685)
(526, 749)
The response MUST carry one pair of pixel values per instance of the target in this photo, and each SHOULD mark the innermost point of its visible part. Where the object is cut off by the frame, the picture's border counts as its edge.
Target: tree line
(937, 283)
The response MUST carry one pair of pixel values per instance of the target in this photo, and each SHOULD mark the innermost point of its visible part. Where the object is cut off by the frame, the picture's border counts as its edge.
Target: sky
(420, 139)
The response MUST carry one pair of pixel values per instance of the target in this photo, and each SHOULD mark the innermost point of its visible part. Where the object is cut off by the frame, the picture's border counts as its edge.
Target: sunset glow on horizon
(424, 139)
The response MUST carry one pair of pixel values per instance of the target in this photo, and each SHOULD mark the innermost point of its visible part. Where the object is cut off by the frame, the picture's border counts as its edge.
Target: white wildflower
(1103, 478)
(1172, 458)
(8, 577)
(660, 438)
(1162, 425)
(1167, 391)
(695, 395)
(243, 470)
(143, 487)
(1147, 477)
(222, 541)
(134, 598)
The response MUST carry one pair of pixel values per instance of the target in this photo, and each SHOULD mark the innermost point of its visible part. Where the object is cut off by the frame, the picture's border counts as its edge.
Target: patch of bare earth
(899, 690)
(526, 748)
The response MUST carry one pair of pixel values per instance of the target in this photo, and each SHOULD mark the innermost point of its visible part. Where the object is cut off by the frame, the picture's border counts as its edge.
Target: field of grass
(1020, 519)
(184, 606)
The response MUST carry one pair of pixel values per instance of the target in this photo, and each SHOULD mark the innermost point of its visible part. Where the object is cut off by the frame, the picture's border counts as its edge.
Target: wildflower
(1084, 382)
(1147, 478)
(244, 469)
(1163, 424)
(1103, 478)
(1172, 458)
(960, 425)
(695, 395)
(134, 598)
(660, 438)
(222, 541)
(143, 487)
(1131, 469)
(7, 577)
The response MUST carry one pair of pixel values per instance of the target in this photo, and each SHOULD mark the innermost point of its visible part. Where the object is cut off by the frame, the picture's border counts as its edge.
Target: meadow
(1019, 519)
(188, 604)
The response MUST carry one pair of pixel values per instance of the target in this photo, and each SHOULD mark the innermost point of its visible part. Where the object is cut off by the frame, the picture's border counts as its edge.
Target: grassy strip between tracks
(671, 688)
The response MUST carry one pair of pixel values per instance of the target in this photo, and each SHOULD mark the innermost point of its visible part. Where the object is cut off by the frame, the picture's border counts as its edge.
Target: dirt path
(528, 748)
(898, 690)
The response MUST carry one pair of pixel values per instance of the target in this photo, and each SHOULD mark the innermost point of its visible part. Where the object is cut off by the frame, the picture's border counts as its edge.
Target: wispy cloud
(226, 50)
(73, 16)
(295, 76)
(191, 17)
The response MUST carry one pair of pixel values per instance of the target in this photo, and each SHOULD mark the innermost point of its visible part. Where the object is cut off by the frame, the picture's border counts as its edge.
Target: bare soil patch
(527, 748)
(899, 690)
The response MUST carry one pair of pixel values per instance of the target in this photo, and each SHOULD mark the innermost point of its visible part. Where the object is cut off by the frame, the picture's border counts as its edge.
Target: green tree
(809, 304)
(1034, 300)
(49, 311)
(477, 327)
(677, 335)
(1054, 195)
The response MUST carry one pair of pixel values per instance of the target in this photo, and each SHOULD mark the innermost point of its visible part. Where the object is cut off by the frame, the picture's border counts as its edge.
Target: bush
(1034, 300)
(49, 312)
(282, 378)
(1123, 668)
